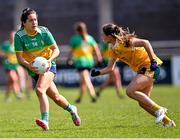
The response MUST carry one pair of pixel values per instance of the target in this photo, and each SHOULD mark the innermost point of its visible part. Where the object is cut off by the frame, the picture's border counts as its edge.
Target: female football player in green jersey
(82, 47)
(139, 55)
(11, 66)
(30, 42)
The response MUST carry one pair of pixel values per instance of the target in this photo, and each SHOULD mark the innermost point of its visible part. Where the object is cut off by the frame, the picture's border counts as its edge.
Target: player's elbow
(146, 43)
(110, 69)
(19, 58)
(58, 52)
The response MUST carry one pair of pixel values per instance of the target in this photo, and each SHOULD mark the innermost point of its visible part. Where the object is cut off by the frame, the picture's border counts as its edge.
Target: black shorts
(84, 68)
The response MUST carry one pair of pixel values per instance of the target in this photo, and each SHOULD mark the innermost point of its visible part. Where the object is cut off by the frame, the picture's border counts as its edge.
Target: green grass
(110, 117)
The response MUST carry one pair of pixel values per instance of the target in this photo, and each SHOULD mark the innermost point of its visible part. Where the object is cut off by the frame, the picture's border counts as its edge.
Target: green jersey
(82, 51)
(104, 49)
(34, 46)
(10, 62)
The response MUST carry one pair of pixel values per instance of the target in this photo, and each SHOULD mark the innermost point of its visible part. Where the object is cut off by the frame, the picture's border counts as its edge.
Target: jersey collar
(38, 31)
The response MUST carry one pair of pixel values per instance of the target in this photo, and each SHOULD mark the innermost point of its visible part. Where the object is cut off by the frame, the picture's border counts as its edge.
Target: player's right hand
(95, 72)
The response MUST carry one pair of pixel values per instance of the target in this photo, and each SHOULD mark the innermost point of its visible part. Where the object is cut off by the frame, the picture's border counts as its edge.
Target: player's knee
(130, 92)
(39, 91)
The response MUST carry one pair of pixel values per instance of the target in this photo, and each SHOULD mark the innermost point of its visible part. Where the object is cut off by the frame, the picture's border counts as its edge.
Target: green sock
(69, 108)
(45, 116)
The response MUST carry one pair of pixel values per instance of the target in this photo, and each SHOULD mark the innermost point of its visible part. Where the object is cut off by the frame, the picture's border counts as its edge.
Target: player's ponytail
(81, 29)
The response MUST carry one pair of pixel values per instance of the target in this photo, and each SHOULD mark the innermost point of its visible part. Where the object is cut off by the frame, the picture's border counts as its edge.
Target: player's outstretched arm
(106, 70)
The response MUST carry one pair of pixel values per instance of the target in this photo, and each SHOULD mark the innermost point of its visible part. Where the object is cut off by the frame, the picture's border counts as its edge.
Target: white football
(41, 63)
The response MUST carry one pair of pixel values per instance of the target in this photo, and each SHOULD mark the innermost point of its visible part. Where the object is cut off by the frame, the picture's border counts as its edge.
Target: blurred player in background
(139, 55)
(114, 76)
(30, 42)
(82, 47)
(11, 66)
(25, 82)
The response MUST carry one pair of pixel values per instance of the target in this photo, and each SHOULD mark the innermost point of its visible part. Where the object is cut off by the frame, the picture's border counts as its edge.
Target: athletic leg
(143, 97)
(43, 83)
(83, 87)
(104, 85)
(117, 81)
(61, 101)
(87, 79)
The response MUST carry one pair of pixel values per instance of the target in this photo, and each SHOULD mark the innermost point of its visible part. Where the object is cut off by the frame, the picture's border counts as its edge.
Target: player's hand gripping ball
(41, 64)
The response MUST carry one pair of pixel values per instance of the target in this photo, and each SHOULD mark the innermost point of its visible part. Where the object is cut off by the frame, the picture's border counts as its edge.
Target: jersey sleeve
(92, 41)
(71, 42)
(4, 47)
(74, 41)
(49, 38)
(18, 44)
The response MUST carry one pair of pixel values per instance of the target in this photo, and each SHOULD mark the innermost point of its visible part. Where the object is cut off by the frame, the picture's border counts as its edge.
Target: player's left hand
(154, 65)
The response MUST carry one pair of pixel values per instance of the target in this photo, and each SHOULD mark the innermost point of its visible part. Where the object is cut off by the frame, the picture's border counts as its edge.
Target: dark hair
(25, 13)
(111, 29)
(81, 28)
(118, 32)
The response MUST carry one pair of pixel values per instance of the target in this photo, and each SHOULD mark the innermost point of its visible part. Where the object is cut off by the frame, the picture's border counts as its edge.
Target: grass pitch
(110, 117)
